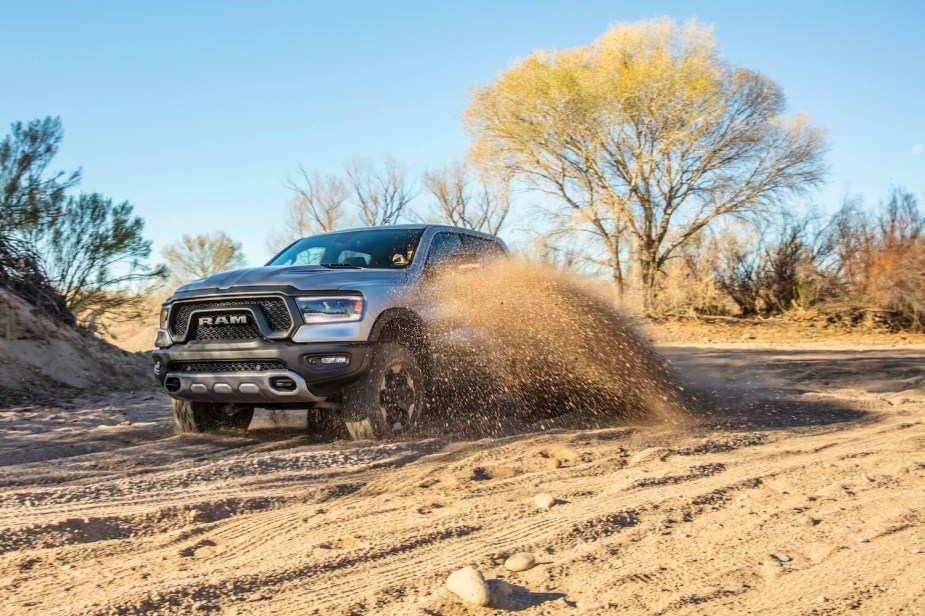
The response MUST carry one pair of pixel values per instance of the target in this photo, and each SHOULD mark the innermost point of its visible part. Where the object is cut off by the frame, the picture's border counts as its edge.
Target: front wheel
(390, 399)
(193, 417)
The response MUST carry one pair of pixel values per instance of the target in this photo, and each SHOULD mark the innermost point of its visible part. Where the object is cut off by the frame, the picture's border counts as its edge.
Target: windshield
(372, 248)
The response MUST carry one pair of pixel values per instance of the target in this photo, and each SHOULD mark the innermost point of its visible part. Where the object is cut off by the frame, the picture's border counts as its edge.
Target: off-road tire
(391, 397)
(194, 417)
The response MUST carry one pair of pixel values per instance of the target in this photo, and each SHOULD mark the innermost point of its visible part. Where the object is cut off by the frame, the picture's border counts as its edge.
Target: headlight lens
(331, 309)
(165, 310)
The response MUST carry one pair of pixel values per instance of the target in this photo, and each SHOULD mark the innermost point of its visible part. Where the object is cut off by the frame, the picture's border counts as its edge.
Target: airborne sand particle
(554, 347)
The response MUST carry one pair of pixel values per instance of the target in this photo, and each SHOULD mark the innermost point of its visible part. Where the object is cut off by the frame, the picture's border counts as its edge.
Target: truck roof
(439, 227)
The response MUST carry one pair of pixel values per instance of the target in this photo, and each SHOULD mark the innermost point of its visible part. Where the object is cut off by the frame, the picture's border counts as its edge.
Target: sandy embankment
(801, 493)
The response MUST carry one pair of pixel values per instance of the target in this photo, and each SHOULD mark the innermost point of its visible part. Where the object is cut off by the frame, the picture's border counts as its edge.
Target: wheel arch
(404, 326)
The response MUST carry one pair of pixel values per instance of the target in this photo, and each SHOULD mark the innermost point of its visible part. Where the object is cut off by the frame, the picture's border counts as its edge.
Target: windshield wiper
(343, 265)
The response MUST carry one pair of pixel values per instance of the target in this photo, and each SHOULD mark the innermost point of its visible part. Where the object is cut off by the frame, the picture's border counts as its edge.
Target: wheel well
(405, 327)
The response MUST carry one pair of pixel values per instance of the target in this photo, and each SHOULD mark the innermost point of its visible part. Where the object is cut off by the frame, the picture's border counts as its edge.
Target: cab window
(483, 249)
(444, 246)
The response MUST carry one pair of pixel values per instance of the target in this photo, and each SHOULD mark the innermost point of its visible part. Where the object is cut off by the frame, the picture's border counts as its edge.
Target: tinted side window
(482, 248)
(443, 247)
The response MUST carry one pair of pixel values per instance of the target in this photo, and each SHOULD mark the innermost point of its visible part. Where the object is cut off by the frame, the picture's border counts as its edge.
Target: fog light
(172, 384)
(329, 360)
(282, 383)
(163, 339)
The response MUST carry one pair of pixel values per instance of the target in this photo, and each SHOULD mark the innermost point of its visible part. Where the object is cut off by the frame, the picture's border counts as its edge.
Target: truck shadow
(728, 388)
(779, 389)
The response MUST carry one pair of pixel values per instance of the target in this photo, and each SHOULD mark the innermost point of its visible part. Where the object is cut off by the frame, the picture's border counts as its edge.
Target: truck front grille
(254, 365)
(225, 332)
(273, 308)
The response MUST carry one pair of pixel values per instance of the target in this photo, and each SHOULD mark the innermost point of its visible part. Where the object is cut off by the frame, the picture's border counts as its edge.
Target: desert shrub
(775, 269)
(741, 270)
(21, 273)
(881, 260)
(689, 286)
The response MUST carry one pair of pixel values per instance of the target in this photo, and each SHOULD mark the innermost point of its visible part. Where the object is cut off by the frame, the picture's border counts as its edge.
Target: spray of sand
(555, 347)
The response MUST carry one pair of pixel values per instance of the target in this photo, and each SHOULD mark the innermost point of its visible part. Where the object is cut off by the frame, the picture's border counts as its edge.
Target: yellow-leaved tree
(644, 138)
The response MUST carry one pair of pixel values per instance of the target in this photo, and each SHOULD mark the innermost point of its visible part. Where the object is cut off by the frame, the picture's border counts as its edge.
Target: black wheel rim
(398, 397)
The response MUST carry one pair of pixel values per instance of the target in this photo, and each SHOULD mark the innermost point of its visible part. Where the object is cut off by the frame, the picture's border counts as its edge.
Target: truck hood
(302, 277)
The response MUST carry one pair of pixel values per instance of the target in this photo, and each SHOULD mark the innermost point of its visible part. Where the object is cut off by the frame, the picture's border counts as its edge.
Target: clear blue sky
(196, 112)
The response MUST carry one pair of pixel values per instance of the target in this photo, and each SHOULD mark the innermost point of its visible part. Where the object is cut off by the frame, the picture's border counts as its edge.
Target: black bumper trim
(321, 380)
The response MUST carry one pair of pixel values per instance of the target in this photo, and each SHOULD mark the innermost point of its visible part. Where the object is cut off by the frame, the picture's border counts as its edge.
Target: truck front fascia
(192, 362)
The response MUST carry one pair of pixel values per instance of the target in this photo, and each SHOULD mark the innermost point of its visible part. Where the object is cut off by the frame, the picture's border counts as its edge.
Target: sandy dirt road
(801, 491)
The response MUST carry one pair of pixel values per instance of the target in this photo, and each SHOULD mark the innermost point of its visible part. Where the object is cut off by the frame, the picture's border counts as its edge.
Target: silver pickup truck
(338, 321)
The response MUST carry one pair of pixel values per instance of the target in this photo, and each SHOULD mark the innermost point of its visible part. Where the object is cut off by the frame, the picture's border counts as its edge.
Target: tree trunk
(618, 285)
(649, 272)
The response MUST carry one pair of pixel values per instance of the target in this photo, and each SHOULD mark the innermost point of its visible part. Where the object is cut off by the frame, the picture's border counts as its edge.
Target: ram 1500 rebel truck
(337, 321)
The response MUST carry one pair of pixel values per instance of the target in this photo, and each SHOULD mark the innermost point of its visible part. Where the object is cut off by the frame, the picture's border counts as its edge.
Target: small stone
(822, 599)
(916, 550)
(544, 501)
(469, 585)
(808, 520)
(553, 463)
(521, 561)
(782, 557)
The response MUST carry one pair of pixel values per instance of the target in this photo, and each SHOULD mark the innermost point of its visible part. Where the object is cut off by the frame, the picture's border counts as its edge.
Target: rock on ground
(521, 561)
(544, 501)
(469, 585)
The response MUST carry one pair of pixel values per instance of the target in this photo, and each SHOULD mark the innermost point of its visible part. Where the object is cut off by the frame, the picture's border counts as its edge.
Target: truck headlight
(331, 309)
(165, 311)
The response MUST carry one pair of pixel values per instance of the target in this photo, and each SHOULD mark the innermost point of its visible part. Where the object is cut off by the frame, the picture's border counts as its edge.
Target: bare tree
(466, 202)
(648, 128)
(551, 250)
(192, 258)
(382, 192)
(318, 206)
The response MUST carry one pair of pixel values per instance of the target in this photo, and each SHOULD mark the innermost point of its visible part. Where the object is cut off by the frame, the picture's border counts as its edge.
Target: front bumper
(308, 379)
(239, 387)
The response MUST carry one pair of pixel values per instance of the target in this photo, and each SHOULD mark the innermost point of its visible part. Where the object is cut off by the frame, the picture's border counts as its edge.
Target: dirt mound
(556, 345)
(44, 361)
(136, 334)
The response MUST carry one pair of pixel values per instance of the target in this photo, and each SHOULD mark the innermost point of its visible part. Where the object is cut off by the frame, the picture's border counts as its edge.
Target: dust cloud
(550, 346)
